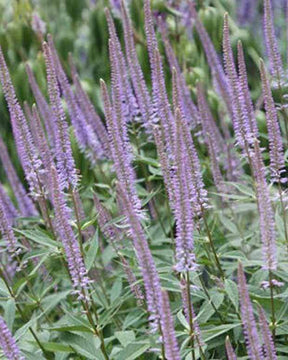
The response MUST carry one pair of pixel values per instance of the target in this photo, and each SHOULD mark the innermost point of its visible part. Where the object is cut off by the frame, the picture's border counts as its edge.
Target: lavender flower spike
(63, 151)
(11, 211)
(268, 343)
(8, 343)
(276, 151)
(24, 202)
(229, 350)
(271, 42)
(6, 223)
(25, 147)
(266, 214)
(75, 261)
(167, 326)
(250, 330)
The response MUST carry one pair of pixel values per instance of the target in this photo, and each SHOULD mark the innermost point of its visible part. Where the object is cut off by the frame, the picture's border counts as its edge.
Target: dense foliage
(143, 193)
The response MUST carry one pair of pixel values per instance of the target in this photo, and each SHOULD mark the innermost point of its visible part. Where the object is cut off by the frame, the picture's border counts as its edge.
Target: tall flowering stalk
(6, 223)
(43, 106)
(89, 113)
(157, 301)
(248, 321)
(268, 343)
(75, 261)
(11, 211)
(8, 343)
(137, 78)
(277, 164)
(240, 117)
(63, 152)
(266, 214)
(25, 204)
(27, 152)
(272, 49)
(212, 59)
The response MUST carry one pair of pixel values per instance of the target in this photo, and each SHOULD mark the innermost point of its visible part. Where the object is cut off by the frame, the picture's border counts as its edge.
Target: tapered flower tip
(229, 350)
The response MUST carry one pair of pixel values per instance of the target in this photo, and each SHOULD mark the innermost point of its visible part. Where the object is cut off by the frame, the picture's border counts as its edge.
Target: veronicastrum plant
(152, 223)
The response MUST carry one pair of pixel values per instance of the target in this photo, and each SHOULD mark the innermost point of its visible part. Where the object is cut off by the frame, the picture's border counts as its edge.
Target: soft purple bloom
(248, 321)
(27, 152)
(167, 326)
(11, 211)
(137, 78)
(229, 350)
(44, 109)
(94, 123)
(277, 164)
(245, 93)
(274, 283)
(63, 152)
(8, 343)
(75, 261)
(268, 343)
(6, 223)
(272, 49)
(240, 116)
(266, 214)
(24, 202)
(212, 59)
(188, 107)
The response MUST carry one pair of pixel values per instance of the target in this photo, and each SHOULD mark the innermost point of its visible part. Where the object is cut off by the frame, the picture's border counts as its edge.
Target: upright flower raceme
(268, 343)
(212, 59)
(24, 202)
(272, 49)
(277, 164)
(11, 211)
(240, 117)
(8, 343)
(248, 321)
(27, 152)
(266, 214)
(6, 223)
(63, 152)
(75, 261)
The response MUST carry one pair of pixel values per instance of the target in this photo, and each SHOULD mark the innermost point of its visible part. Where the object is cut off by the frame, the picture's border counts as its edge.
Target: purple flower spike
(271, 42)
(169, 337)
(266, 214)
(8, 343)
(276, 151)
(141, 92)
(11, 211)
(63, 152)
(268, 343)
(6, 223)
(229, 350)
(24, 202)
(250, 330)
(75, 261)
(212, 59)
(240, 117)
(25, 146)
(44, 108)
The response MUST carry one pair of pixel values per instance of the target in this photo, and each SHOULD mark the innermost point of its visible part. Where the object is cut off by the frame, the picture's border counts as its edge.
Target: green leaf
(3, 288)
(232, 292)
(10, 313)
(39, 237)
(133, 351)
(116, 290)
(92, 251)
(207, 309)
(125, 337)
